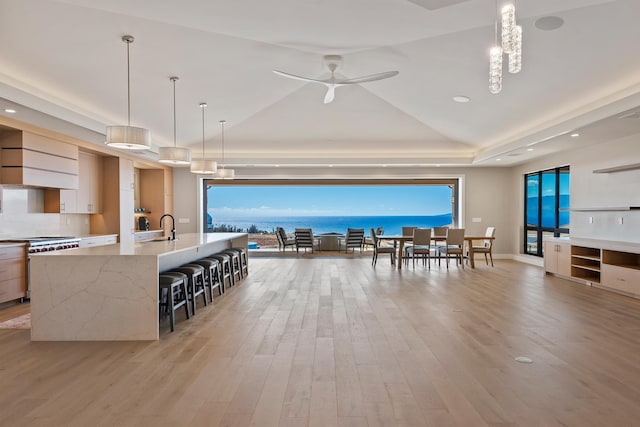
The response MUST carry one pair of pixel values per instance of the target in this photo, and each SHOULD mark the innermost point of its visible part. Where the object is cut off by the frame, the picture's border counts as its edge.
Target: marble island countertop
(158, 247)
(110, 292)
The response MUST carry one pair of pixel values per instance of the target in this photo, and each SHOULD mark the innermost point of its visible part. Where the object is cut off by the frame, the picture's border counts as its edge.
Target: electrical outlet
(590, 220)
(68, 221)
(184, 220)
(476, 219)
(619, 220)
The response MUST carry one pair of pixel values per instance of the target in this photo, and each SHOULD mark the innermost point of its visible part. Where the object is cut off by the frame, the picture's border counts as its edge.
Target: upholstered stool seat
(211, 274)
(173, 295)
(195, 284)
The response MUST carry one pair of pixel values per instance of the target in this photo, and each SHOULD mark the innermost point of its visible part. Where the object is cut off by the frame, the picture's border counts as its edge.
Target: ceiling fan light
(128, 137)
(174, 155)
(204, 166)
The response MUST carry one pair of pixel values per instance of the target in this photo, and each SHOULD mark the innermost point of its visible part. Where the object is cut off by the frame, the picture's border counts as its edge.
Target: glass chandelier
(510, 44)
(128, 137)
(203, 166)
(222, 172)
(174, 155)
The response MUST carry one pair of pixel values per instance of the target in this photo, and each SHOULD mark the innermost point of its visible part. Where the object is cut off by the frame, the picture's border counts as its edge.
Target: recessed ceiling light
(497, 160)
(330, 166)
(461, 98)
(529, 149)
(10, 110)
(437, 166)
(575, 135)
(549, 23)
(384, 166)
(277, 166)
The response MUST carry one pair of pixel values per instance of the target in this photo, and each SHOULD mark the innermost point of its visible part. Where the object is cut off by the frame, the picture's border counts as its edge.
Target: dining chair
(353, 239)
(486, 247)
(421, 246)
(377, 249)
(304, 239)
(368, 241)
(453, 247)
(407, 231)
(440, 231)
(284, 240)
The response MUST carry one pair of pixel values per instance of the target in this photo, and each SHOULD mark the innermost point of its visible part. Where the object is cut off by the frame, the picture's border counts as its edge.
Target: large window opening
(260, 207)
(546, 207)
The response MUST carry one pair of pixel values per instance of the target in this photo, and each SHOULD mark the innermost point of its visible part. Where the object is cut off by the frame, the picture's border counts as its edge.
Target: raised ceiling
(66, 59)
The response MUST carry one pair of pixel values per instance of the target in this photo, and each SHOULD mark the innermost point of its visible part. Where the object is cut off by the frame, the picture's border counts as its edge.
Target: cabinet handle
(62, 207)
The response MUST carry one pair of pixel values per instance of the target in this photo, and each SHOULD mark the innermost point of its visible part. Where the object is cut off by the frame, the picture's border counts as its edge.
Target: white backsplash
(22, 216)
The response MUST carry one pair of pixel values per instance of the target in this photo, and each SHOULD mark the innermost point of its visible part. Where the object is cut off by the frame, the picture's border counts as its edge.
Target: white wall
(487, 194)
(593, 190)
(22, 216)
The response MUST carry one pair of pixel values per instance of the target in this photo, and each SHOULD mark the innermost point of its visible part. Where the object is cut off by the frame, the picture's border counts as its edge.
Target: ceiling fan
(331, 83)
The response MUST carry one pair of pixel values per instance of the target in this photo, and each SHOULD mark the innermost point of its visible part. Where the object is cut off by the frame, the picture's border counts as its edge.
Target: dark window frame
(453, 183)
(539, 229)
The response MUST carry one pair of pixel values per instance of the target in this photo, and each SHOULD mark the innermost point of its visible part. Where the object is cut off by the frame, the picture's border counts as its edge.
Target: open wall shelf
(585, 263)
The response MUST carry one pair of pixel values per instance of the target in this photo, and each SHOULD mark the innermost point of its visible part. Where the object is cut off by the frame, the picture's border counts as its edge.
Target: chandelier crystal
(495, 70)
(203, 166)
(515, 57)
(510, 44)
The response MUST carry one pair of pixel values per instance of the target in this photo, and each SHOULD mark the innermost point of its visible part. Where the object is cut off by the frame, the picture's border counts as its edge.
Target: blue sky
(328, 200)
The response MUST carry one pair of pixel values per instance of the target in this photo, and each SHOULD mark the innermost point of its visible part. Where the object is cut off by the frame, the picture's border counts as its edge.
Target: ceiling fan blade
(331, 93)
(293, 76)
(369, 78)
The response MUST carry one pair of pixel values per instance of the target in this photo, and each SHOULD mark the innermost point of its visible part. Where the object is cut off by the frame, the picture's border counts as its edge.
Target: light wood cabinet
(87, 199)
(13, 272)
(89, 195)
(557, 257)
(585, 263)
(621, 271)
(32, 159)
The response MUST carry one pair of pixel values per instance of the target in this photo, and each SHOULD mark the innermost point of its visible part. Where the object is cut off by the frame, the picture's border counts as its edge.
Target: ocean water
(327, 224)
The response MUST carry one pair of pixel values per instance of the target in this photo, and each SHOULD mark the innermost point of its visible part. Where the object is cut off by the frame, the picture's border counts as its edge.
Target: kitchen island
(110, 293)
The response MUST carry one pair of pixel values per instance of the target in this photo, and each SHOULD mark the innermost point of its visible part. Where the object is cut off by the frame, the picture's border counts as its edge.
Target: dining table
(399, 241)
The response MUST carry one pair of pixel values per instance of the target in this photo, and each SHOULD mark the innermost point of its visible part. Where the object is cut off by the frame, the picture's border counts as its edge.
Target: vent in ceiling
(436, 4)
(632, 115)
(514, 154)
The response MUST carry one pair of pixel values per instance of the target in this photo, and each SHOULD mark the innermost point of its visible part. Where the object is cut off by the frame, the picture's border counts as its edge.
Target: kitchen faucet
(173, 225)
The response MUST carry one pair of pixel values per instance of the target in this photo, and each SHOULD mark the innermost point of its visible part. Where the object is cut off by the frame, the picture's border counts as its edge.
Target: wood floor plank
(319, 341)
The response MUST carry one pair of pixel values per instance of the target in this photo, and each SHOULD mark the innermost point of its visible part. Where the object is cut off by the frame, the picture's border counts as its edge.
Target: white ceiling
(66, 59)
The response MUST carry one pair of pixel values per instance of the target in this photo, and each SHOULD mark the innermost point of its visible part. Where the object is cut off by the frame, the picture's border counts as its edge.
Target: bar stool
(195, 285)
(236, 268)
(244, 261)
(211, 276)
(225, 268)
(175, 285)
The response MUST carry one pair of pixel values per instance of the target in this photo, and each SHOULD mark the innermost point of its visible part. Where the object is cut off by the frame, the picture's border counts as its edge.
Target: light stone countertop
(611, 245)
(183, 242)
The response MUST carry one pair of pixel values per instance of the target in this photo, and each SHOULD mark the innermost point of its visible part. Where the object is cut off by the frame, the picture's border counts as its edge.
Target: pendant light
(203, 166)
(174, 155)
(223, 173)
(128, 137)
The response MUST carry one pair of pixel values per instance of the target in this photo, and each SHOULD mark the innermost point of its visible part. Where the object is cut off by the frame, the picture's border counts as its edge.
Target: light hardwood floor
(335, 342)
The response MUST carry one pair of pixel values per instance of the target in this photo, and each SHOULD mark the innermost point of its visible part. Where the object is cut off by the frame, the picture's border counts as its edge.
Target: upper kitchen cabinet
(90, 188)
(34, 160)
(88, 198)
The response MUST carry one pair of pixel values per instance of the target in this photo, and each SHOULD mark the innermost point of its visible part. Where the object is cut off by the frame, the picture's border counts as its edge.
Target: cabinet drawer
(110, 240)
(12, 289)
(12, 252)
(12, 268)
(620, 278)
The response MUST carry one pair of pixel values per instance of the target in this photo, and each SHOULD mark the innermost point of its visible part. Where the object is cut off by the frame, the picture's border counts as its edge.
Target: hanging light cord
(222, 123)
(174, 110)
(202, 105)
(128, 41)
